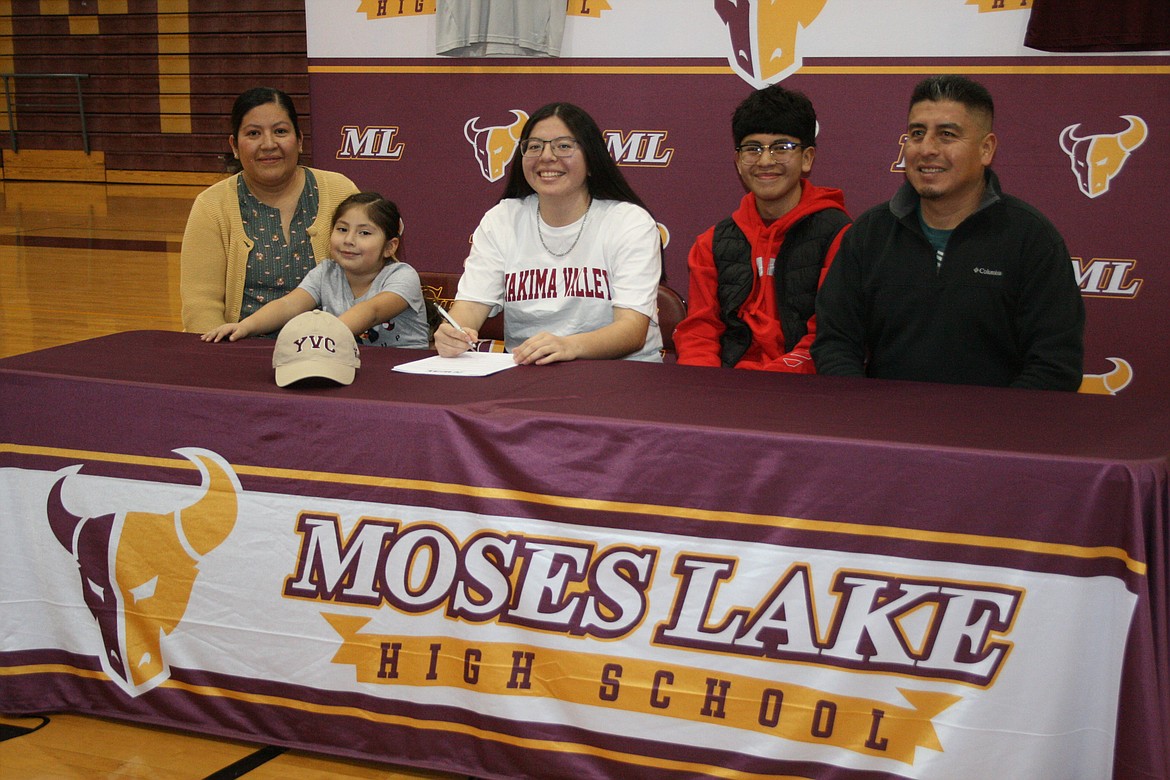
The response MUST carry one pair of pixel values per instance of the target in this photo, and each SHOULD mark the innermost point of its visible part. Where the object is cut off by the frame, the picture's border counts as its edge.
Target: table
(593, 569)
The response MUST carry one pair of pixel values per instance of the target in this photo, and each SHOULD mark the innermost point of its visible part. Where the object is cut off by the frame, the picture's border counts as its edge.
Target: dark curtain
(1095, 25)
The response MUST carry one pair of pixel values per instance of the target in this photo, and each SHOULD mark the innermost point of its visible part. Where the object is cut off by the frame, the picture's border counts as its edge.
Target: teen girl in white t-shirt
(569, 253)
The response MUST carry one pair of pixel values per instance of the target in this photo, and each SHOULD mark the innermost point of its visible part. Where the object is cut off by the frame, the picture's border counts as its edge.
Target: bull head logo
(763, 35)
(1111, 382)
(495, 145)
(1096, 159)
(138, 569)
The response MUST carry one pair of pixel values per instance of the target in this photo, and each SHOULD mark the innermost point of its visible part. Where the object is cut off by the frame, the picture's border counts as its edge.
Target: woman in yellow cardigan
(252, 237)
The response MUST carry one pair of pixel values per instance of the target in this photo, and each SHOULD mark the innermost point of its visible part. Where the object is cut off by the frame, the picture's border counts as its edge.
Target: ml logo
(640, 147)
(369, 143)
(1106, 277)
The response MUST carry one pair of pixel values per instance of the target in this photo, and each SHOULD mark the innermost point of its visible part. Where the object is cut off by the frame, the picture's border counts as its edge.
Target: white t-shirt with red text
(616, 262)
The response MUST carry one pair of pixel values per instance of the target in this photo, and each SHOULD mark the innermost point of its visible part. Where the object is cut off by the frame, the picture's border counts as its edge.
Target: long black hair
(605, 179)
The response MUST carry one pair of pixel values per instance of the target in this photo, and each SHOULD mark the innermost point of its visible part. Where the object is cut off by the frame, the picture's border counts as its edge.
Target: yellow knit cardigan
(215, 251)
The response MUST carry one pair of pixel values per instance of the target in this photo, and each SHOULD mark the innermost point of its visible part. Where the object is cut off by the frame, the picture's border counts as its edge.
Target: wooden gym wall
(157, 78)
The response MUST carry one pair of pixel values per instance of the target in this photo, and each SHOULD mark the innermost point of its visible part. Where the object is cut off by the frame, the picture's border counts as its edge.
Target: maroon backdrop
(436, 180)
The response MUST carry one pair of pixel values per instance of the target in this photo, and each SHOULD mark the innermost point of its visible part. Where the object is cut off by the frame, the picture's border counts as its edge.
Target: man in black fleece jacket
(952, 280)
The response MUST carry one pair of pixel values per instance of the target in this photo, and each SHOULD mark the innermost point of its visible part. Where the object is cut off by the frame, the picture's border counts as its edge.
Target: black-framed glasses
(565, 146)
(752, 152)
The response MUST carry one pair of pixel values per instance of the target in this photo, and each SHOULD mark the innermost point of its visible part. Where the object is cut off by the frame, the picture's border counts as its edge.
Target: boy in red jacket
(755, 275)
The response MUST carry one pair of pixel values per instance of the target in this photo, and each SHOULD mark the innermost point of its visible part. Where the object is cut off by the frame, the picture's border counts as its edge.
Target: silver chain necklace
(580, 230)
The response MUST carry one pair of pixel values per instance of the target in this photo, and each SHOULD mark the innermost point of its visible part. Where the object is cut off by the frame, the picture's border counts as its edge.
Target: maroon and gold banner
(504, 572)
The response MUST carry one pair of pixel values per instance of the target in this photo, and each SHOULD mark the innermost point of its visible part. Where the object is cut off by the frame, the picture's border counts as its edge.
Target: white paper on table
(467, 364)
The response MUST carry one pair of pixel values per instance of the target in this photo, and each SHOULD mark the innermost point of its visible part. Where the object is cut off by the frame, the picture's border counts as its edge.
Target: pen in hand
(451, 321)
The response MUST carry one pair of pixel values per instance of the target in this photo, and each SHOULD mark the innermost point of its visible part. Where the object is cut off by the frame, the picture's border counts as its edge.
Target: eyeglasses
(752, 152)
(561, 147)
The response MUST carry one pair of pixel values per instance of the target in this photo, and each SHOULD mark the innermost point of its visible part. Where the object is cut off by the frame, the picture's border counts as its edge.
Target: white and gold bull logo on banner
(763, 35)
(494, 145)
(138, 569)
(1111, 382)
(1096, 159)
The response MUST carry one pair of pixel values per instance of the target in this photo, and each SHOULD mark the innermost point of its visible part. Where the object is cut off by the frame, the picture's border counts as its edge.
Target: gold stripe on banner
(602, 505)
(337, 710)
(72, 671)
(725, 70)
(788, 711)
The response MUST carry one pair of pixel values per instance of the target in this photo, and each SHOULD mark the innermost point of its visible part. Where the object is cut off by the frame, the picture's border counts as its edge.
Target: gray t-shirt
(499, 28)
(330, 288)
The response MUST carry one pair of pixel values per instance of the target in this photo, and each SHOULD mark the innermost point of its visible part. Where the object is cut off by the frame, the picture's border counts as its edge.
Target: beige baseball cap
(315, 344)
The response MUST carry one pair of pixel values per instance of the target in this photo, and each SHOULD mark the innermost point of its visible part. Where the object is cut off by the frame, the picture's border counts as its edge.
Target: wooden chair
(439, 287)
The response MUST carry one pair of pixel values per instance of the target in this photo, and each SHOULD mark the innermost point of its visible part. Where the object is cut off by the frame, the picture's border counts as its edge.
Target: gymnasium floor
(78, 262)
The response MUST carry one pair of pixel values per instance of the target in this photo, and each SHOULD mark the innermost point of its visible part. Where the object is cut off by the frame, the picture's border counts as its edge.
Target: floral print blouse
(276, 267)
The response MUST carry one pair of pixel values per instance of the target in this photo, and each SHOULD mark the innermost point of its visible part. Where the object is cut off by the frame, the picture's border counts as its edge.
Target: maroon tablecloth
(1057, 485)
